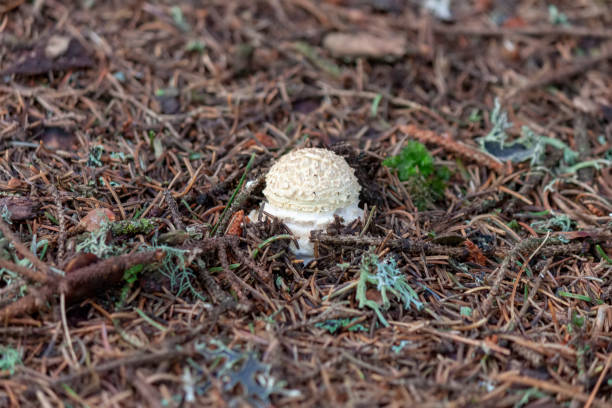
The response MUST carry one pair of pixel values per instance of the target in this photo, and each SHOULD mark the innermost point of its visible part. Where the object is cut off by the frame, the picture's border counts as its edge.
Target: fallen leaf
(515, 22)
(306, 105)
(56, 138)
(235, 225)
(585, 104)
(19, 208)
(56, 46)
(94, 218)
(476, 254)
(37, 62)
(264, 57)
(449, 239)
(265, 139)
(365, 45)
(14, 183)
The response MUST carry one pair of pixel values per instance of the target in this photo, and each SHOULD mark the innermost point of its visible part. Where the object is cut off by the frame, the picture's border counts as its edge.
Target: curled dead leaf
(52, 56)
(265, 139)
(476, 254)
(57, 138)
(56, 46)
(14, 183)
(18, 208)
(235, 225)
(94, 218)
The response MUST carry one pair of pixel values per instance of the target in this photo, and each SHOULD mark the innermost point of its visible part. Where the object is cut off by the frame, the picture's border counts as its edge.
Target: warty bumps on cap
(311, 180)
(306, 189)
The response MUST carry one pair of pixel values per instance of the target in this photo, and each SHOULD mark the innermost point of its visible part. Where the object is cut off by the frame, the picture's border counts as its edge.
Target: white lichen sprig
(386, 276)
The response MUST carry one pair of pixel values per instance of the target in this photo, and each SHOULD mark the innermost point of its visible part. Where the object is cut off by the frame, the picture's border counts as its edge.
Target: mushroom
(306, 188)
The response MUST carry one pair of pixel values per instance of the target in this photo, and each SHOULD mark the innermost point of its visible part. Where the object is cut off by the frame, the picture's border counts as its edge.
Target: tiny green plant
(9, 359)
(130, 276)
(195, 45)
(132, 227)
(465, 311)
(475, 116)
(179, 18)
(95, 156)
(530, 146)
(577, 323)
(531, 393)
(333, 325)
(415, 165)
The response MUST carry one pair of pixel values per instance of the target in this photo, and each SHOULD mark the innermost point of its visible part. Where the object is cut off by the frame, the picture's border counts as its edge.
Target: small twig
(533, 179)
(67, 337)
(405, 245)
(235, 281)
(115, 197)
(515, 378)
(105, 272)
(174, 212)
(473, 342)
(534, 288)
(428, 136)
(34, 301)
(190, 184)
(216, 292)
(80, 282)
(246, 260)
(61, 240)
(573, 248)
(599, 381)
(318, 236)
(11, 5)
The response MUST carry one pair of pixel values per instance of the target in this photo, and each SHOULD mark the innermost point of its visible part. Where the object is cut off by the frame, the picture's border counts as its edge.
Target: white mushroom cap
(311, 180)
(306, 188)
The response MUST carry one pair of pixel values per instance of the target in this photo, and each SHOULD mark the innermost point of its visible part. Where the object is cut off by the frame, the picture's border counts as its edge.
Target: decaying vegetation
(134, 137)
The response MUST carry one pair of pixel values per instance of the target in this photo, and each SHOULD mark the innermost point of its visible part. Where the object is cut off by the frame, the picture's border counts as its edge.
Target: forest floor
(480, 274)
